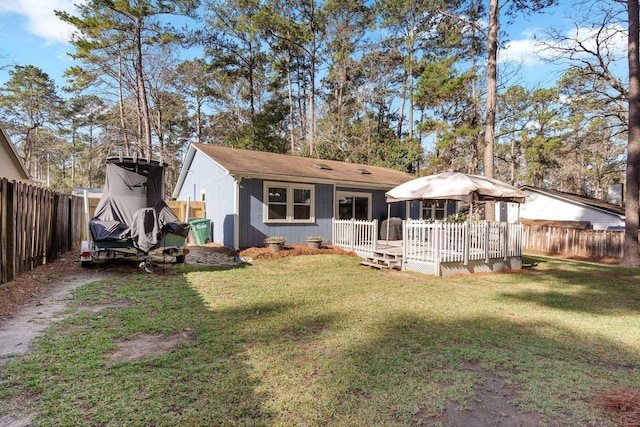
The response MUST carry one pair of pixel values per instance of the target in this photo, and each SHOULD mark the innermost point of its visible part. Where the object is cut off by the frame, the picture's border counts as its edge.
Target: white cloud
(613, 39)
(536, 48)
(40, 17)
(524, 51)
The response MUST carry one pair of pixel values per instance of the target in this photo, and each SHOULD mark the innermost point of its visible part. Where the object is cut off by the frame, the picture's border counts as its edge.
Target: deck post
(438, 234)
(405, 235)
(352, 235)
(375, 234)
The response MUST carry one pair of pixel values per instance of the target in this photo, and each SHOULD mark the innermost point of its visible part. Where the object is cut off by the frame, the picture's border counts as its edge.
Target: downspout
(334, 210)
(236, 212)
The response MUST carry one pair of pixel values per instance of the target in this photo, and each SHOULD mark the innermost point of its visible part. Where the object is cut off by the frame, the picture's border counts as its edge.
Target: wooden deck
(439, 248)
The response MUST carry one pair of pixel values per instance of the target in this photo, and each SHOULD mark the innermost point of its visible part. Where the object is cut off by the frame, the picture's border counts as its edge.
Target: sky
(31, 34)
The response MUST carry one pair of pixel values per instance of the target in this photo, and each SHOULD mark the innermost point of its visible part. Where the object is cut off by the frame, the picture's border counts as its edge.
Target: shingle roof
(260, 163)
(588, 201)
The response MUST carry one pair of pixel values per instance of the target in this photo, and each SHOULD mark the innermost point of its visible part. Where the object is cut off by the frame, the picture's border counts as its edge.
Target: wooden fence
(573, 242)
(36, 226)
(179, 207)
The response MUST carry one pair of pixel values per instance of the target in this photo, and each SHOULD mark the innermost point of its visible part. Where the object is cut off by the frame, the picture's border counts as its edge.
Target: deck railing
(461, 242)
(355, 235)
(437, 242)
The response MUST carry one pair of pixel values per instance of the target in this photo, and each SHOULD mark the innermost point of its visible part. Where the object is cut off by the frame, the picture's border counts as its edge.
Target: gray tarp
(131, 206)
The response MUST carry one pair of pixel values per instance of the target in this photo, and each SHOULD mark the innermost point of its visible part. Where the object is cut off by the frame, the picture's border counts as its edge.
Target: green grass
(317, 340)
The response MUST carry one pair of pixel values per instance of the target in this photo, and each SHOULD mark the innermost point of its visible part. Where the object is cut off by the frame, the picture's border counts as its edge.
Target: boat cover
(132, 207)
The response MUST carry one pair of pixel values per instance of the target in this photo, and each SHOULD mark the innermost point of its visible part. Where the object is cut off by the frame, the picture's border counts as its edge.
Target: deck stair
(384, 260)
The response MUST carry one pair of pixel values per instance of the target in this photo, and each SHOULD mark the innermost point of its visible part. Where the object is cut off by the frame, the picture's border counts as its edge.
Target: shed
(250, 195)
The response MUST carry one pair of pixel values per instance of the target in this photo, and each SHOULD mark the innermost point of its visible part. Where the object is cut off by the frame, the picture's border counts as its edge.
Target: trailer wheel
(146, 266)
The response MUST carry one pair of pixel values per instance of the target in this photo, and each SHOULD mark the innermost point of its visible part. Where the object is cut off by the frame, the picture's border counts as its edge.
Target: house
(10, 165)
(250, 195)
(551, 205)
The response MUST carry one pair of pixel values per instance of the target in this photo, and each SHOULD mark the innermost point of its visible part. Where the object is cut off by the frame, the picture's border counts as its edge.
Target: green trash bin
(201, 229)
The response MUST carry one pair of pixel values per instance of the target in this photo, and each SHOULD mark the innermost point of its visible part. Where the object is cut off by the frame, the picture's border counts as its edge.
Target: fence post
(486, 242)
(11, 231)
(505, 237)
(466, 243)
(333, 231)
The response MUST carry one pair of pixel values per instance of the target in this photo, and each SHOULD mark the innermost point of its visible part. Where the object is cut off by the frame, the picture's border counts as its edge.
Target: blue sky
(31, 34)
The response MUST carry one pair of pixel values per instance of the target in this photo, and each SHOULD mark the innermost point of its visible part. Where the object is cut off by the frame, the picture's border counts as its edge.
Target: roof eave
(15, 157)
(315, 180)
(186, 164)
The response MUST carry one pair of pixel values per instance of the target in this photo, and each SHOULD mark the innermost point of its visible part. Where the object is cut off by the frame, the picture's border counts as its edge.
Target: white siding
(540, 206)
(206, 176)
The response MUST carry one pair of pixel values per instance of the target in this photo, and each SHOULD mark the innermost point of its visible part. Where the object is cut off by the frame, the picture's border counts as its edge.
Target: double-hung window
(288, 202)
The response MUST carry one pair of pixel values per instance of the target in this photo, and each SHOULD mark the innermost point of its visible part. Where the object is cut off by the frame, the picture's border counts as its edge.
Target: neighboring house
(250, 195)
(552, 205)
(10, 165)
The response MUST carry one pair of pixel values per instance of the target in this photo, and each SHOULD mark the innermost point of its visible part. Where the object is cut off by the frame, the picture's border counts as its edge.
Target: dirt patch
(491, 406)
(33, 319)
(146, 346)
(17, 413)
(31, 287)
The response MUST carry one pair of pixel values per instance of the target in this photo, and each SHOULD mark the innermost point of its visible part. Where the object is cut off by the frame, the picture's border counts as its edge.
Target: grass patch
(319, 341)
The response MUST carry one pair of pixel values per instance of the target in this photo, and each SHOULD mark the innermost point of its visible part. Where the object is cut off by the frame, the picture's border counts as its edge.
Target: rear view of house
(250, 195)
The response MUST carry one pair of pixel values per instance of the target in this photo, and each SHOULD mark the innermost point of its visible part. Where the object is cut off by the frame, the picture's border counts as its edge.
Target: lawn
(318, 340)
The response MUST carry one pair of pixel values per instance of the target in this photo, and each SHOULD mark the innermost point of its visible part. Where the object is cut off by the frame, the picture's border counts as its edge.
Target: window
(288, 202)
(435, 209)
(353, 205)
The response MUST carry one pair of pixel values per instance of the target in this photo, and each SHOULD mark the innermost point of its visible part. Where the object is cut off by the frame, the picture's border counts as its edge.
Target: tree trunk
(492, 91)
(410, 119)
(403, 97)
(142, 93)
(292, 137)
(632, 191)
(123, 122)
(199, 102)
(475, 119)
(312, 102)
